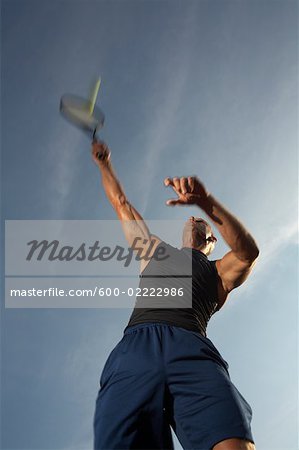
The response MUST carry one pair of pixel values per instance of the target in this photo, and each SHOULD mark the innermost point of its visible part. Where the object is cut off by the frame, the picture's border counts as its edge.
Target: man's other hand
(190, 191)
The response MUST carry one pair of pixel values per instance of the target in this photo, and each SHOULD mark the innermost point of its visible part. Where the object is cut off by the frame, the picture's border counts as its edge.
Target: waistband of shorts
(205, 339)
(132, 328)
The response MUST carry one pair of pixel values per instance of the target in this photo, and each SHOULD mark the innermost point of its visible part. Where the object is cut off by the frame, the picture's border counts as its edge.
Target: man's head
(198, 234)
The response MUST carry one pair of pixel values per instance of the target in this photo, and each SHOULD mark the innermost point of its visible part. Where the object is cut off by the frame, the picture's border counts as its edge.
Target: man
(165, 371)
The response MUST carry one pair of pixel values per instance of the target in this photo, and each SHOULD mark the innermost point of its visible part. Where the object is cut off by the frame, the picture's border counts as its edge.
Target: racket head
(76, 110)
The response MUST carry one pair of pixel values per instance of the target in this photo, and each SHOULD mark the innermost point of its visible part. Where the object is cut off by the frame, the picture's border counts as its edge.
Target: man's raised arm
(236, 265)
(132, 222)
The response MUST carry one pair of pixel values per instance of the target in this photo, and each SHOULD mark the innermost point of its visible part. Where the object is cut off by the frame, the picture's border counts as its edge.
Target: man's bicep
(232, 271)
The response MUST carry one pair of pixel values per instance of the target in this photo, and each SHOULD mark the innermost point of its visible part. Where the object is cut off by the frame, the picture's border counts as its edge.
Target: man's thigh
(129, 410)
(204, 405)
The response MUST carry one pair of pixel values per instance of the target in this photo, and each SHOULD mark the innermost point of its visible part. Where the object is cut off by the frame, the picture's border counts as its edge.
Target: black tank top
(185, 268)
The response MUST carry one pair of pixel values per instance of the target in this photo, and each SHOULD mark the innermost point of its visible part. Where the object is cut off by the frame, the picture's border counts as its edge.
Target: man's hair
(199, 233)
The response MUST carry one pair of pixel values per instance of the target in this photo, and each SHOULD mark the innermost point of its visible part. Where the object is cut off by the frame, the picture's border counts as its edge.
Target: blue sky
(188, 87)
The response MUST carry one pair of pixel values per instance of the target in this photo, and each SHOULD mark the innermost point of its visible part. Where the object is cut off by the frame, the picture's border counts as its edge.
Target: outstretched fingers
(190, 191)
(180, 186)
(183, 184)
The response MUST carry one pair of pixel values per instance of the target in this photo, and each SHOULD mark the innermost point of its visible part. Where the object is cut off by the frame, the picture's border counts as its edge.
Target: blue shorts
(160, 376)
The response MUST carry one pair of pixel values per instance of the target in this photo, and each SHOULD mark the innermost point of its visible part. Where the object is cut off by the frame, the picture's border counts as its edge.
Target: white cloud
(274, 240)
(272, 243)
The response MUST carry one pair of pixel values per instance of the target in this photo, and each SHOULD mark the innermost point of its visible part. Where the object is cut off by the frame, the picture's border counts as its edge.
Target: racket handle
(100, 156)
(94, 137)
